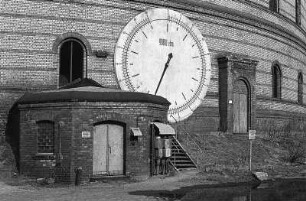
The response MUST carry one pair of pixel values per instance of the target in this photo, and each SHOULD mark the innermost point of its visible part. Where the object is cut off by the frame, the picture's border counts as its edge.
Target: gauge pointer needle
(165, 68)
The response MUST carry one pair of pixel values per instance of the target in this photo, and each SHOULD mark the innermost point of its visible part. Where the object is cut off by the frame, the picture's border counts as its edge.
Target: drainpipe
(152, 150)
(60, 156)
(86, 58)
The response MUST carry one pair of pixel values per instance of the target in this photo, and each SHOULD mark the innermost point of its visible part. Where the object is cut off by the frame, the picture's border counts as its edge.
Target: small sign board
(136, 132)
(252, 134)
(85, 134)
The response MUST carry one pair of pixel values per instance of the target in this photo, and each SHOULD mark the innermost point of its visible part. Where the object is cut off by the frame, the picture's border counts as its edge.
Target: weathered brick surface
(31, 31)
(78, 151)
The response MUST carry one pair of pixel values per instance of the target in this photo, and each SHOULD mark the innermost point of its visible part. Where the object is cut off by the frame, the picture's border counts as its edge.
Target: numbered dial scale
(162, 52)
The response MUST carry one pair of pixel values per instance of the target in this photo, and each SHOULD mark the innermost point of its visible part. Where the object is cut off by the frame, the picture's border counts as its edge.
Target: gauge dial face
(161, 52)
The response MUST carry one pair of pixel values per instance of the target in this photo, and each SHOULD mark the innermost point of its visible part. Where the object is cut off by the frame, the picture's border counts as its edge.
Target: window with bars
(45, 137)
(71, 61)
(300, 88)
(298, 12)
(276, 81)
(274, 5)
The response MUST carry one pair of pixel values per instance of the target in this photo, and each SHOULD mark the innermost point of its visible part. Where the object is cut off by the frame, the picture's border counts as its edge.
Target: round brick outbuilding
(57, 129)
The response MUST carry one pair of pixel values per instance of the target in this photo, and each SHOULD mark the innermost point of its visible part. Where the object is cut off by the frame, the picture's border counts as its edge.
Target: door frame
(123, 138)
(231, 68)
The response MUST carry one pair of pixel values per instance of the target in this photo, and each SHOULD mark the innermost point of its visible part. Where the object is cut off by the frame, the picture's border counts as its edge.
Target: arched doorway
(108, 149)
(241, 105)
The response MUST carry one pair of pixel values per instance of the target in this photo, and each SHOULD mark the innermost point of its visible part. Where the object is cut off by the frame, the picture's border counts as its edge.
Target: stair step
(180, 166)
(179, 156)
(185, 165)
(177, 165)
(187, 168)
(176, 148)
(182, 162)
(175, 153)
(180, 159)
(178, 151)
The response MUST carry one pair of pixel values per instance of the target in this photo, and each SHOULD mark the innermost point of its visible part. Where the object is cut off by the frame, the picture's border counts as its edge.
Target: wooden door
(108, 149)
(240, 108)
(115, 144)
(240, 113)
(100, 149)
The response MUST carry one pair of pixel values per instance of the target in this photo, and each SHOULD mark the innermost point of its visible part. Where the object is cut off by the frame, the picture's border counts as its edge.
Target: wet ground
(280, 190)
(179, 187)
(104, 191)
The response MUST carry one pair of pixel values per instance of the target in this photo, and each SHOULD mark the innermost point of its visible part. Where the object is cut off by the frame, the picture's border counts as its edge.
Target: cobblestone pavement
(140, 191)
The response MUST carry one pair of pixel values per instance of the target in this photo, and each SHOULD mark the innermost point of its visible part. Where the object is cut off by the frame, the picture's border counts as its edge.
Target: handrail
(173, 166)
(190, 139)
(184, 151)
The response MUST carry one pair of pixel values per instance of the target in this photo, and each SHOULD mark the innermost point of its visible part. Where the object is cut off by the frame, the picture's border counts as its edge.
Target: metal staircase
(180, 159)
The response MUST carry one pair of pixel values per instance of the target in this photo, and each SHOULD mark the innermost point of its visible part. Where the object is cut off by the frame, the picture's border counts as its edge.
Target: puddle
(279, 190)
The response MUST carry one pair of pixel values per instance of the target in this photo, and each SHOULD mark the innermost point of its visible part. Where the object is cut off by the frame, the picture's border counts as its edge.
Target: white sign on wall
(85, 134)
(252, 134)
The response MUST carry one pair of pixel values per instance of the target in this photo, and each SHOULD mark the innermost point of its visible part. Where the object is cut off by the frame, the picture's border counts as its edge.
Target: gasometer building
(225, 66)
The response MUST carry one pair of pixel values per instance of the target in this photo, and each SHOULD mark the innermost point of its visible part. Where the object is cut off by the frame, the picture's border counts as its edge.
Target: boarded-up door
(240, 107)
(108, 149)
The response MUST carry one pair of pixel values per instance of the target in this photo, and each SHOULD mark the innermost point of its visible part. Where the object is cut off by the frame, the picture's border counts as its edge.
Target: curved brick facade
(236, 31)
(70, 119)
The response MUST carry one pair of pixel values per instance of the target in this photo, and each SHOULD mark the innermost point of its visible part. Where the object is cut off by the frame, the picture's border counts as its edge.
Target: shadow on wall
(11, 143)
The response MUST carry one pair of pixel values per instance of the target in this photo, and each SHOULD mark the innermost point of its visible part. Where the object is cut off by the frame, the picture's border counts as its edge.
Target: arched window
(71, 61)
(300, 88)
(45, 137)
(273, 5)
(276, 81)
(298, 12)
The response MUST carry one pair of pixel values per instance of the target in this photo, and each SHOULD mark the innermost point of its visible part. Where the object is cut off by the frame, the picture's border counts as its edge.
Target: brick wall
(32, 163)
(31, 31)
(78, 151)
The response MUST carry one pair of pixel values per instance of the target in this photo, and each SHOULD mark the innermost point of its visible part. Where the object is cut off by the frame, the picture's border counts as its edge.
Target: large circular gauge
(162, 52)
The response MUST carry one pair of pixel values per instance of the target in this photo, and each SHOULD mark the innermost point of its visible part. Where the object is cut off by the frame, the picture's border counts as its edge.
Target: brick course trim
(261, 47)
(261, 97)
(237, 16)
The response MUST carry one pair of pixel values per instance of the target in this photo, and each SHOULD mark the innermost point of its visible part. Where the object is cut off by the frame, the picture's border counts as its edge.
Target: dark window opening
(298, 12)
(300, 88)
(273, 5)
(45, 137)
(276, 82)
(71, 62)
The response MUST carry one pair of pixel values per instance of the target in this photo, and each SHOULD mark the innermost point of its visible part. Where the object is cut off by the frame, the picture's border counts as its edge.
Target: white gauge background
(143, 50)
